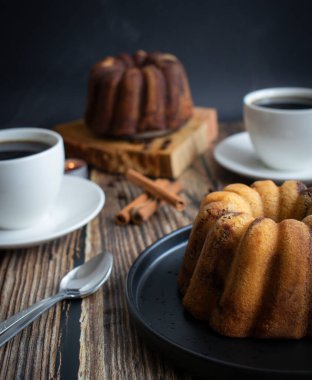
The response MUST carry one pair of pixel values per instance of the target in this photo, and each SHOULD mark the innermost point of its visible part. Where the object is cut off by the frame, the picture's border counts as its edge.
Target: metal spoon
(79, 282)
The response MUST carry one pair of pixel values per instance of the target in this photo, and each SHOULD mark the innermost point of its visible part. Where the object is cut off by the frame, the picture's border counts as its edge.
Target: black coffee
(286, 103)
(17, 149)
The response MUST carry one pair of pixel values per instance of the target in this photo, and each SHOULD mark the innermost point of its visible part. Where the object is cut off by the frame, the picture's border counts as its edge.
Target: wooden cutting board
(166, 156)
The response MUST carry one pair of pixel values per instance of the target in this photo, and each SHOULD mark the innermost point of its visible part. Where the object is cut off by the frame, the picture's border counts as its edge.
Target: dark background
(228, 48)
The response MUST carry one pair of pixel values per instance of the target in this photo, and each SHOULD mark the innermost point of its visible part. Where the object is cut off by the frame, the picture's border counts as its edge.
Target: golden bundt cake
(145, 92)
(247, 266)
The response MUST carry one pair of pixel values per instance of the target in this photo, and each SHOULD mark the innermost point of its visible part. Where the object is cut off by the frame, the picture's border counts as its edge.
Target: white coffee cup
(29, 184)
(282, 138)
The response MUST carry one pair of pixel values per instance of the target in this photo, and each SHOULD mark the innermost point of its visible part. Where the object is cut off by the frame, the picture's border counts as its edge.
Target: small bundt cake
(247, 266)
(128, 95)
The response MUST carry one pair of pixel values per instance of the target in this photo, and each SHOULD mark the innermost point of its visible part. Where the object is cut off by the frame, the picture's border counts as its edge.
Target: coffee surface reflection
(285, 103)
(10, 150)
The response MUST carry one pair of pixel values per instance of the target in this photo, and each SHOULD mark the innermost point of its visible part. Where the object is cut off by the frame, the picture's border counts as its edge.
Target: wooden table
(94, 338)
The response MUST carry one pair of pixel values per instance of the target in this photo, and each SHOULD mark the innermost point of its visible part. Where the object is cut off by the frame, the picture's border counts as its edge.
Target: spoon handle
(13, 325)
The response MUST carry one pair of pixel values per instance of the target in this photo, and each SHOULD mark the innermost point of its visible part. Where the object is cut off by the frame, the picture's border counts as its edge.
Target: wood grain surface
(94, 338)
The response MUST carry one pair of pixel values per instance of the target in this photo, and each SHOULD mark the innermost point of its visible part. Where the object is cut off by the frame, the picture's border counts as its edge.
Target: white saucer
(79, 201)
(237, 154)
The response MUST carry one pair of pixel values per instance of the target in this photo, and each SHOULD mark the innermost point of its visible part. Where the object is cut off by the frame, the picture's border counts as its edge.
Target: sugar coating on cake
(247, 266)
(129, 95)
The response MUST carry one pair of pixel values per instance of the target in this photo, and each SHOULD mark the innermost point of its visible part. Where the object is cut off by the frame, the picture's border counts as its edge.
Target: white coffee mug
(29, 182)
(282, 138)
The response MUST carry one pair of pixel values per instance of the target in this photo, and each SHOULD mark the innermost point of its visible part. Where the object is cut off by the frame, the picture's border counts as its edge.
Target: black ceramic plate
(155, 307)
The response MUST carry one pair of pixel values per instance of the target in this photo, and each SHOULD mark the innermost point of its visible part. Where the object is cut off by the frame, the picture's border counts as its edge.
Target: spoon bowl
(87, 278)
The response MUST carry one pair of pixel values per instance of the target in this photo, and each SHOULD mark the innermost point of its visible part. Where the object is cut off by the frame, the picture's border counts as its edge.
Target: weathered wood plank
(27, 276)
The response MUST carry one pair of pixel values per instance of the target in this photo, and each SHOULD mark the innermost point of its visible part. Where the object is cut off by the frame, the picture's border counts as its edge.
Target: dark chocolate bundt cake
(128, 95)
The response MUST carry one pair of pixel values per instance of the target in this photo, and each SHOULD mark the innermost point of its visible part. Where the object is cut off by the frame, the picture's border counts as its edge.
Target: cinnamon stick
(123, 216)
(154, 189)
(142, 212)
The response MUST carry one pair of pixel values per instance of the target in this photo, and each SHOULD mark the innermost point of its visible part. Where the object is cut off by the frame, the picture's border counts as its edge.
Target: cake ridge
(247, 275)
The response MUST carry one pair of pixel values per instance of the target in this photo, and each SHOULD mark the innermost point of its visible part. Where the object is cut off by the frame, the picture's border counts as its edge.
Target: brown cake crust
(128, 95)
(179, 101)
(247, 267)
(129, 103)
(103, 82)
(153, 108)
